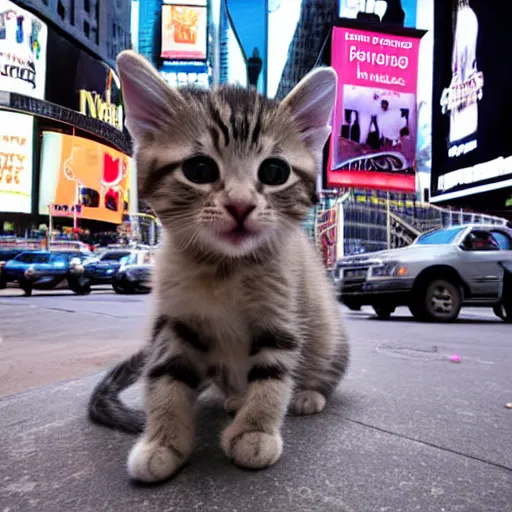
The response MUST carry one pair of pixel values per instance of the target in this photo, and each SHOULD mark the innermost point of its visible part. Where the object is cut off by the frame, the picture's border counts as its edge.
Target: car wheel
(442, 302)
(27, 289)
(80, 285)
(503, 310)
(83, 290)
(383, 312)
(119, 289)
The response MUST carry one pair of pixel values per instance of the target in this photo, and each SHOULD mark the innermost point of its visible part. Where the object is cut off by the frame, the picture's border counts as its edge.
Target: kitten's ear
(310, 103)
(148, 101)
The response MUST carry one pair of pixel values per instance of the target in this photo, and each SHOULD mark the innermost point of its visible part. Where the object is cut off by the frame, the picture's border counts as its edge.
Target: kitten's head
(227, 171)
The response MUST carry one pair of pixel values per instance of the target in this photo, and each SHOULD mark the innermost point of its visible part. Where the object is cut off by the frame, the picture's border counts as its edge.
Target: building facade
(63, 147)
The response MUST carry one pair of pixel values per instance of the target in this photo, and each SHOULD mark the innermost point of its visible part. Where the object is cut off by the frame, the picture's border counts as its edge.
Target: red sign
(373, 143)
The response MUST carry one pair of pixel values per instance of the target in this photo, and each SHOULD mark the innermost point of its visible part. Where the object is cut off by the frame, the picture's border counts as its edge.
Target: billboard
(373, 142)
(184, 30)
(182, 73)
(81, 174)
(472, 102)
(397, 12)
(16, 145)
(22, 51)
(80, 82)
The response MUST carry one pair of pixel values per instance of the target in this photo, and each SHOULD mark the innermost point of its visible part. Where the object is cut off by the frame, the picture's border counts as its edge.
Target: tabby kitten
(242, 299)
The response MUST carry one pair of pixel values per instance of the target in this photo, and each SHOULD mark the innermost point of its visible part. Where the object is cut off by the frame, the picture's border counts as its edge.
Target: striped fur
(258, 318)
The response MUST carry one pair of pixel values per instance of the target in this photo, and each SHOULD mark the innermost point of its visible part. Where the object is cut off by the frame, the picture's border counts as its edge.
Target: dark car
(5, 256)
(42, 270)
(135, 273)
(100, 271)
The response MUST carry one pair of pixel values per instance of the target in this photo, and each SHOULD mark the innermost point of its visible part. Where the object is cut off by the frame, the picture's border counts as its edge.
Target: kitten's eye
(274, 171)
(200, 170)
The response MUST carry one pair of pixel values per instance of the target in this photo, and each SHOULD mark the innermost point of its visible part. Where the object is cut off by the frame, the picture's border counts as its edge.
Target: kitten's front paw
(254, 450)
(307, 402)
(150, 462)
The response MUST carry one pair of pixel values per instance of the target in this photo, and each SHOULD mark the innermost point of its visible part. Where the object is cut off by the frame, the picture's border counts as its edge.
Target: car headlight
(59, 264)
(389, 269)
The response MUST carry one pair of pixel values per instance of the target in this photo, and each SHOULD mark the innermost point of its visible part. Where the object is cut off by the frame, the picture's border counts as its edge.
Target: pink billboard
(373, 141)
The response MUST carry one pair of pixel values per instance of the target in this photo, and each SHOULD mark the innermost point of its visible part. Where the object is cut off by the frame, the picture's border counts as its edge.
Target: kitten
(242, 298)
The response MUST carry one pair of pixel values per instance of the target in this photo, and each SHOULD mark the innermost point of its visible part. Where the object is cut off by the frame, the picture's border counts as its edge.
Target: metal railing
(358, 224)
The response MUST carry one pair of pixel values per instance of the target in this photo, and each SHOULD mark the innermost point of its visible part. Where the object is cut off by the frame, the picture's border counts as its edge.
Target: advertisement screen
(182, 73)
(184, 32)
(396, 12)
(81, 174)
(88, 85)
(472, 101)
(16, 144)
(373, 143)
(22, 51)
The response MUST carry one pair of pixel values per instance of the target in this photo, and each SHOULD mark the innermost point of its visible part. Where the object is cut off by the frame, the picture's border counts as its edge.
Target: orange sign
(78, 171)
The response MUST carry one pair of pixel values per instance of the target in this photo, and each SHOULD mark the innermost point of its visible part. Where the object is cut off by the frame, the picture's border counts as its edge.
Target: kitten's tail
(105, 406)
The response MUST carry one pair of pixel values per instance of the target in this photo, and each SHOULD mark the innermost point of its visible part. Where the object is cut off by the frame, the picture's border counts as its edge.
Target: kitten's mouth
(238, 235)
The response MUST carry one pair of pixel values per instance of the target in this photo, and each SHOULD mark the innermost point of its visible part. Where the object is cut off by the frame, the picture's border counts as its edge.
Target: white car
(439, 273)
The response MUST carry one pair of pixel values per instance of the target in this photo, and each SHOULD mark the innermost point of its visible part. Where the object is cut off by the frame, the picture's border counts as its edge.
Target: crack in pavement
(425, 443)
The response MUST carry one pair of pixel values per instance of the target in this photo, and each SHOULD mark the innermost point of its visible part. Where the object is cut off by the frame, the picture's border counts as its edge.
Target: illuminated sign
(373, 143)
(178, 73)
(78, 171)
(471, 150)
(88, 85)
(16, 144)
(184, 30)
(93, 105)
(23, 39)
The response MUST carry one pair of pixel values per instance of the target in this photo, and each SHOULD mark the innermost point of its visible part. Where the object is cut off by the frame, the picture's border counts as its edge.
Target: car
(100, 270)
(441, 271)
(5, 256)
(135, 273)
(41, 270)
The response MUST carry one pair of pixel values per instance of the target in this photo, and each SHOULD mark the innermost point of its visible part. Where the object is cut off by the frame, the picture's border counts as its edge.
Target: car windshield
(441, 237)
(114, 255)
(130, 259)
(59, 257)
(33, 257)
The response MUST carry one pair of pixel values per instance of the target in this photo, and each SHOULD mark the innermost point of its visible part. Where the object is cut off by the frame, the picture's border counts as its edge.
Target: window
(114, 255)
(480, 240)
(441, 237)
(503, 240)
(33, 257)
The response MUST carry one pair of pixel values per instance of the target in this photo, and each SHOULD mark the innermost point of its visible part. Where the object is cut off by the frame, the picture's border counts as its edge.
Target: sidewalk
(407, 431)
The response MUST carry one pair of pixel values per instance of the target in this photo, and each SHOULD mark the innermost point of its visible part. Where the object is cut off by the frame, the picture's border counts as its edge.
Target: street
(56, 335)
(407, 430)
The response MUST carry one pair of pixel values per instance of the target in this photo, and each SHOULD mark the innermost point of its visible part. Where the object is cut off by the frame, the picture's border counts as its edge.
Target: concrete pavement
(408, 430)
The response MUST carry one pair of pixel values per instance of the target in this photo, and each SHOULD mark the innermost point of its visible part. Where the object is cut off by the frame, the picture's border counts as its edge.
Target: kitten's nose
(239, 211)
